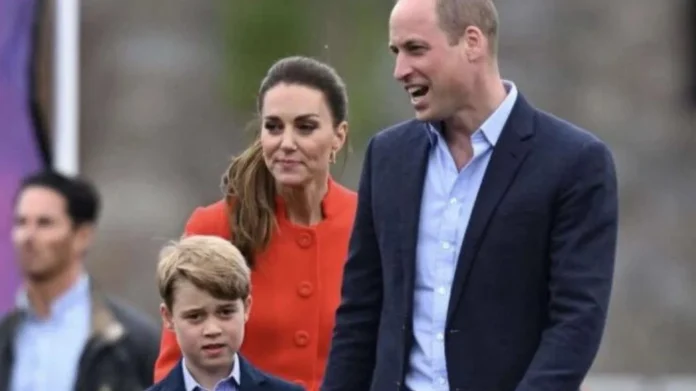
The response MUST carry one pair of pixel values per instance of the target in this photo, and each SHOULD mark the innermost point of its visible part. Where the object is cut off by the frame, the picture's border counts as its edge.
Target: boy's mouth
(214, 348)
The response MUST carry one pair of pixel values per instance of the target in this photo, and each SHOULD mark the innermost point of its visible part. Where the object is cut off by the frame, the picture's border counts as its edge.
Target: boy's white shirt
(190, 383)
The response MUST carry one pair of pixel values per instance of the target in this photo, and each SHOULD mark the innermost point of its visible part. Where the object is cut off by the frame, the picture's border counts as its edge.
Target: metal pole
(66, 79)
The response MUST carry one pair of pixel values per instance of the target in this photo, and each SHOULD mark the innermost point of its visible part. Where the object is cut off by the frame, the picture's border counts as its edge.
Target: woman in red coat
(290, 220)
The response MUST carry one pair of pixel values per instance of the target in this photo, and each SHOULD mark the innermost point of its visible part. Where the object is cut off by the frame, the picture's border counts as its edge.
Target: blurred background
(166, 88)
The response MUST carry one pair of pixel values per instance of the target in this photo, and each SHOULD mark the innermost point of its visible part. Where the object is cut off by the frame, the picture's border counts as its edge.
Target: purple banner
(19, 148)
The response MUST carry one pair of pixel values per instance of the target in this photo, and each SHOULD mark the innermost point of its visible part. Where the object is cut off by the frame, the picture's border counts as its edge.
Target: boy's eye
(193, 316)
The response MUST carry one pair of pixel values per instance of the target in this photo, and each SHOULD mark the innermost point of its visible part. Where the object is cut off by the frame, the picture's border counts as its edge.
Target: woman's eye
(306, 127)
(272, 126)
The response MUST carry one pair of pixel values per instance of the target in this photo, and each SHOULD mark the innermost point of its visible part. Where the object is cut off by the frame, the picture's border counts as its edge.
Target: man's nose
(401, 68)
(23, 234)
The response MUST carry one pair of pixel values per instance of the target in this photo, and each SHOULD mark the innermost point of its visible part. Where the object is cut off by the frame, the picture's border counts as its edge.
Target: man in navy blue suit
(483, 249)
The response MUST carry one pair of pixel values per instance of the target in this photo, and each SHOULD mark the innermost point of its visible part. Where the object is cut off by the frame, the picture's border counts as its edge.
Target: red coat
(296, 286)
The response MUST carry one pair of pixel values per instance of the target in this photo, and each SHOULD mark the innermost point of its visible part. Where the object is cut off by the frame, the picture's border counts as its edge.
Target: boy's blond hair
(210, 263)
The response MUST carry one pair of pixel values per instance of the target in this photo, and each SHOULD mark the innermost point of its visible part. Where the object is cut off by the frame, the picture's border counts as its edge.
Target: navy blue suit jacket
(531, 290)
(251, 379)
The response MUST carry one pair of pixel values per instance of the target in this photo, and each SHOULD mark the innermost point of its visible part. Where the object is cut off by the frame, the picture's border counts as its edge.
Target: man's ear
(84, 236)
(475, 43)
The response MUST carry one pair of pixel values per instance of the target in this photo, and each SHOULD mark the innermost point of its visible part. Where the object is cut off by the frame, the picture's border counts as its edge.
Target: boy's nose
(211, 329)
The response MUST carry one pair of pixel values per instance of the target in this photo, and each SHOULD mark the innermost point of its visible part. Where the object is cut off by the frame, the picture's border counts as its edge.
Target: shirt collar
(192, 385)
(74, 295)
(492, 127)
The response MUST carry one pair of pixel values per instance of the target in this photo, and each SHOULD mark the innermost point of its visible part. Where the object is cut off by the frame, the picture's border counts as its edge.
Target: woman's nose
(288, 141)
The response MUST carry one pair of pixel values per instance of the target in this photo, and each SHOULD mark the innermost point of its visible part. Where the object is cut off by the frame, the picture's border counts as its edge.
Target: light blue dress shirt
(448, 199)
(47, 351)
(230, 383)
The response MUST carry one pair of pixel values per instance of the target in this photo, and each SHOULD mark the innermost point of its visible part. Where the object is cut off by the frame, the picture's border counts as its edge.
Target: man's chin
(426, 115)
(39, 275)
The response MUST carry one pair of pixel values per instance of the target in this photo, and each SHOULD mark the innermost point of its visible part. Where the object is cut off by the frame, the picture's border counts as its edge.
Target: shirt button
(304, 240)
(442, 381)
(305, 289)
(440, 337)
(445, 245)
(441, 290)
(453, 201)
(301, 338)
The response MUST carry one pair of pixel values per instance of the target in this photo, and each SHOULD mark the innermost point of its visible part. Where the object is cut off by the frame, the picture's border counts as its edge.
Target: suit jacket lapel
(415, 149)
(249, 377)
(175, 379)
(509, 153)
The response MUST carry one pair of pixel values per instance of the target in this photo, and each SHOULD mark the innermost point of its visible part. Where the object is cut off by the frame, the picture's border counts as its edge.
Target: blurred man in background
(64, 334)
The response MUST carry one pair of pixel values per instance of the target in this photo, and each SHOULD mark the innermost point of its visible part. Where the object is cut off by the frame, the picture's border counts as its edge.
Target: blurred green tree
(347, 34)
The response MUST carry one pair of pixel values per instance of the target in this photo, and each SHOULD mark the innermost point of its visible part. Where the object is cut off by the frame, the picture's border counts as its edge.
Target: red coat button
(301, 338)
(305, 240)
(305, 289)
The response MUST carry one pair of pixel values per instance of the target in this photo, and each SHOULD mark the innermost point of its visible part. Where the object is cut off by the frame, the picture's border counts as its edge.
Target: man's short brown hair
(210, 263)
(455, 16)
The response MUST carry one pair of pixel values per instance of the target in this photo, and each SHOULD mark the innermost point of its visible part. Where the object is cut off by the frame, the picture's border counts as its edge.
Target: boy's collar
(190, 384)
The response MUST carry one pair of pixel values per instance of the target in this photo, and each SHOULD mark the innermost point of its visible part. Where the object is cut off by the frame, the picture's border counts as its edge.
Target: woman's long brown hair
(250, 196)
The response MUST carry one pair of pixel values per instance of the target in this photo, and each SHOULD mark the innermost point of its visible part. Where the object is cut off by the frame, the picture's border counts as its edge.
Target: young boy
(205, 288)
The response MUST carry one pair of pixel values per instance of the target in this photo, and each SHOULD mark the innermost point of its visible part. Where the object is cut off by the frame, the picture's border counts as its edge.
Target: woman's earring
(332, 157)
